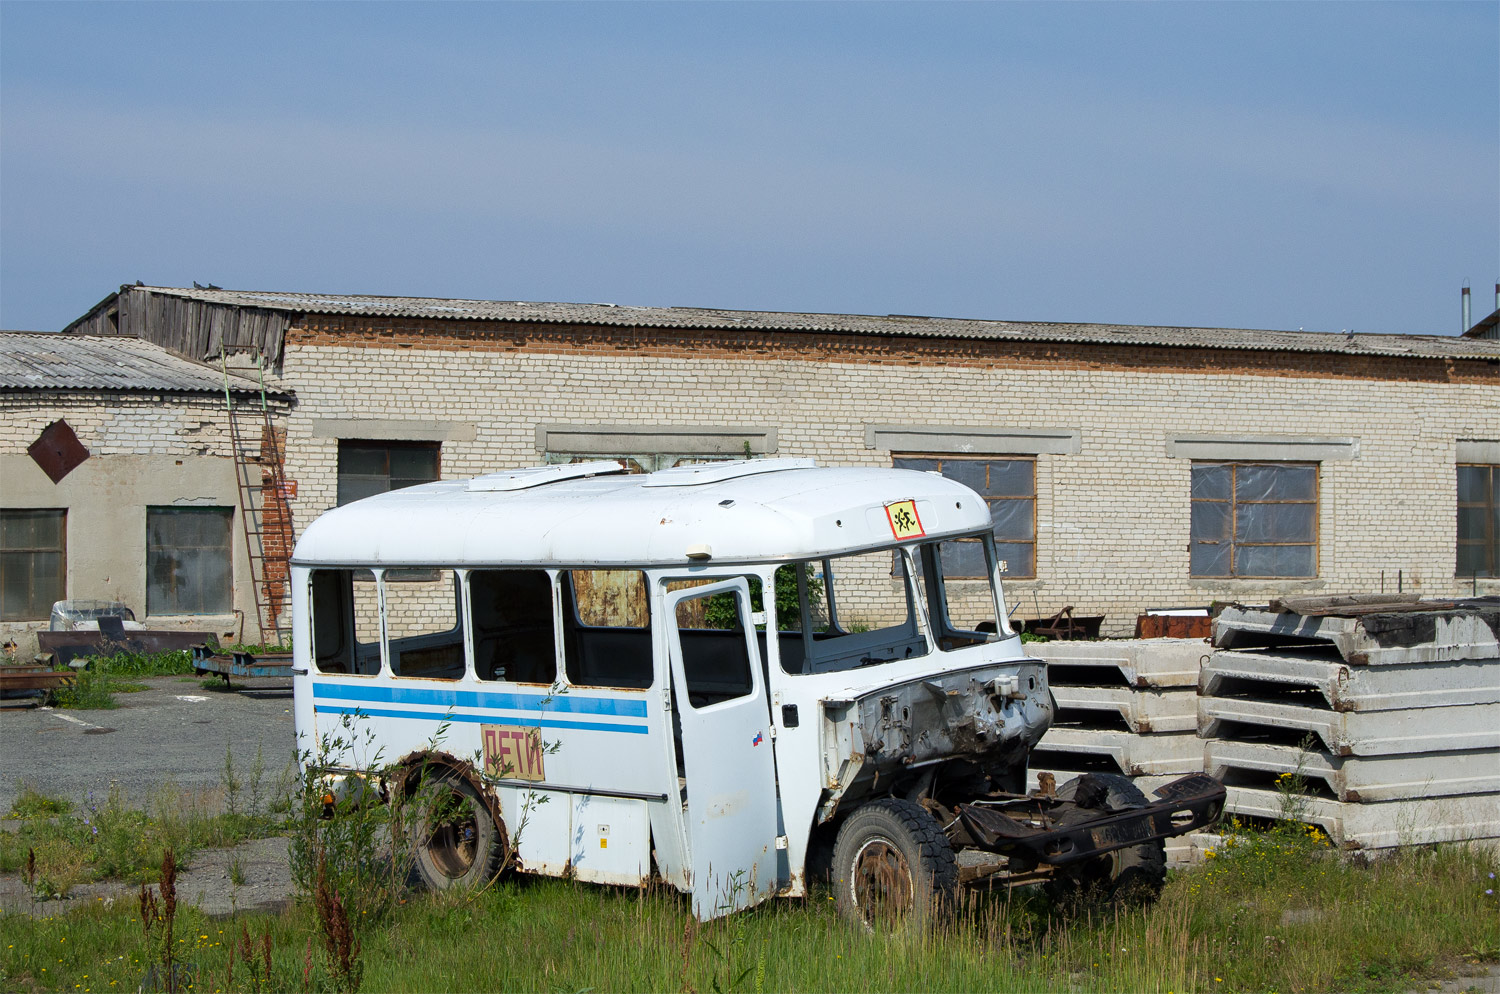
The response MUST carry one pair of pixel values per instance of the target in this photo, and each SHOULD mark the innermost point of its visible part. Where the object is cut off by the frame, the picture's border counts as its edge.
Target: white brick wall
(1113, 519)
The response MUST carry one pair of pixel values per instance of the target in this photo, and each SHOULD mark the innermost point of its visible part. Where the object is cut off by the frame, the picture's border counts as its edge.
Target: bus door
(719, 696)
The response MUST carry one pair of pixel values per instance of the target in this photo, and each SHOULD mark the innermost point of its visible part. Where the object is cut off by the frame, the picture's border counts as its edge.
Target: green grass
(1275, 913)
(106, 839)
(31, 803)
(106, 676)
(171, 663)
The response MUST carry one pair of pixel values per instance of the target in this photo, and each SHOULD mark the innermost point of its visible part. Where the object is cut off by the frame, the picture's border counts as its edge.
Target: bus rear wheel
(456, 842)
(1123, 878)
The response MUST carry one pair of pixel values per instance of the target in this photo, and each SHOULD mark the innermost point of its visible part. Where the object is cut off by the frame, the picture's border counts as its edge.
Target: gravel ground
(173, 732)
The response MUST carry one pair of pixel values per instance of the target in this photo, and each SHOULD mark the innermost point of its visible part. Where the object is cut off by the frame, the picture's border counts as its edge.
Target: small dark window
(370, 468)
(33, 563)
(514, 638)
(1008, 487)
(1478, 520)
(189, 568)
(1254, 520)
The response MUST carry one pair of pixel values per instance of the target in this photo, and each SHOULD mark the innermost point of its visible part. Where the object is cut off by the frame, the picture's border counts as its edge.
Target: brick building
(118, 483)
(1127, 467)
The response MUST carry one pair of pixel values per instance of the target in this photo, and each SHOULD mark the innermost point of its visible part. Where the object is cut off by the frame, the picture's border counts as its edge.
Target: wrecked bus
(731, 677)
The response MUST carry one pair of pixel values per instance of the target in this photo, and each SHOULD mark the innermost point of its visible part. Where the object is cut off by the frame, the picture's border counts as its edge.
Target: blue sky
(1283, 165)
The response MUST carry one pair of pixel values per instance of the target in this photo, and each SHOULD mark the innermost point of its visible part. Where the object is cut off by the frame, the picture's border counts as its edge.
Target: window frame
(1489, 544)
(223, 513)
(387, 446)
(61, 551)
(945, 457)
(1316, 502)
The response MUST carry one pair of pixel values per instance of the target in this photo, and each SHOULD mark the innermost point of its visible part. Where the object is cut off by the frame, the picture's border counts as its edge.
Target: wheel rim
(453, 842)
(881, 882)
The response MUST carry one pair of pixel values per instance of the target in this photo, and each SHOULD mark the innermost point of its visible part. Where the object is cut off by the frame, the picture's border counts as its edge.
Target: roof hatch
(698, 474)
(525, 479)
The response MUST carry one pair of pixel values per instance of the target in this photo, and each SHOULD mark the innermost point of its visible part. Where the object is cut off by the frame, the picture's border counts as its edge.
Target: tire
(1123, 878)
(455, 841)
(893, 867)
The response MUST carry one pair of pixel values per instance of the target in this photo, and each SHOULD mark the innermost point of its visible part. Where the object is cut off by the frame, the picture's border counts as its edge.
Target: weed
(255, 648)
(257, 778)
(339, 825)
(349, 853)
(232, 785)
(105, 676)
(166, 972)
(90, 690)
(31, 803)
(1291, 787)
(338, 935)
(236, 871)
(256, 958)
(170, 663)
(55, 867)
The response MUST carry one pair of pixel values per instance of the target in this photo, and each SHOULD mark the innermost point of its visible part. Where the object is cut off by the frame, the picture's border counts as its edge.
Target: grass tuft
(32, 803)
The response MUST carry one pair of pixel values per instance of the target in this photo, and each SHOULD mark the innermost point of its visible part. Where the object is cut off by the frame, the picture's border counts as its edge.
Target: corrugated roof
(31, 360)
(1420, 346)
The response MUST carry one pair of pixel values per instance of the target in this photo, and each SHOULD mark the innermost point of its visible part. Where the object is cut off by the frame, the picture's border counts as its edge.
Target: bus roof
(762, 510)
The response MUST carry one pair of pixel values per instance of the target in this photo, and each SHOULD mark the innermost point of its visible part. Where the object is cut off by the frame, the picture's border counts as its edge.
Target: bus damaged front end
(946, 738)
(968, 730)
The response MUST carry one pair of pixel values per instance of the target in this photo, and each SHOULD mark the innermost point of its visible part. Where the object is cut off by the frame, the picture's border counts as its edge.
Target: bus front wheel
(455, 839)
(893, 867)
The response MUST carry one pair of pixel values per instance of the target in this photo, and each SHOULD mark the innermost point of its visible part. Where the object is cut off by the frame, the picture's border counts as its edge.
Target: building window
(1254, 519)
(33, 563)
(370, 468)
(189, 568)
(1478, 520)
(1008, 486)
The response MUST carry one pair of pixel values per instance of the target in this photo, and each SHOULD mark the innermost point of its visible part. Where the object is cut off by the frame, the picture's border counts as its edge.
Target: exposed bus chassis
(1035, 833)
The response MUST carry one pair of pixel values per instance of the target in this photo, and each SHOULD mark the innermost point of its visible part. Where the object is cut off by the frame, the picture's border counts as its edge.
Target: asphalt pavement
(173, 732)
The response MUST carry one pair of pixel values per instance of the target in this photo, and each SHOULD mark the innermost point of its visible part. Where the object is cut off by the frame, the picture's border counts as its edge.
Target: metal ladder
(265, 510)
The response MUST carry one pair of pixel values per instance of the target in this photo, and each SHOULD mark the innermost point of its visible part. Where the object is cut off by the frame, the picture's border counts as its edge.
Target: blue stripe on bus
(585, 726)
(567, 703)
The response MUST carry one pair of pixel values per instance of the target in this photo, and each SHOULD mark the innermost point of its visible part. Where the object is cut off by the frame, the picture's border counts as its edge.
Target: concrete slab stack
(1383, 713)
(1125, 707)
(1128, 707)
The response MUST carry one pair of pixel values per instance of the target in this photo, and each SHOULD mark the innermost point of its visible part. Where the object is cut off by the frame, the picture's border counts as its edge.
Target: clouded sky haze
(1284, 165)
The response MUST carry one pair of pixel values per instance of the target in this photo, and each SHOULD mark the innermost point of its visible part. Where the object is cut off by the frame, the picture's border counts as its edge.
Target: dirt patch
(208, 883)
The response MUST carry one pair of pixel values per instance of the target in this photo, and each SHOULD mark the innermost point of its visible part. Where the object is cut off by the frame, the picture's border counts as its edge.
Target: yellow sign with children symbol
(904, 521)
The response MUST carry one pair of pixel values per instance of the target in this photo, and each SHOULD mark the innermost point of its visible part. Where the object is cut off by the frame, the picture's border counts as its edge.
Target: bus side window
(606, 628)
(514, 638)
(345, 623)
(421, 624)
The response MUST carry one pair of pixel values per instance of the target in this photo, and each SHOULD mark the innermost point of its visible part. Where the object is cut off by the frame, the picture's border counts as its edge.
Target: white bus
(725, 676)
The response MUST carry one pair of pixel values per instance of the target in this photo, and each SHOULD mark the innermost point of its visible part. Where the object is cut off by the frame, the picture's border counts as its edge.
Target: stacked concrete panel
(1128, 707)
(1122, 707)
(1376, 719)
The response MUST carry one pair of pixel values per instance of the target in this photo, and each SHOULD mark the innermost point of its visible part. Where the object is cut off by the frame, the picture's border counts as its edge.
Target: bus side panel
(611, 840)
(540, 823)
